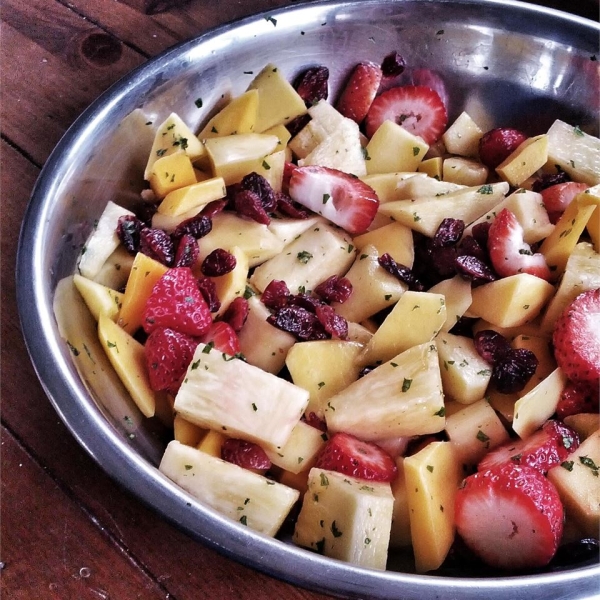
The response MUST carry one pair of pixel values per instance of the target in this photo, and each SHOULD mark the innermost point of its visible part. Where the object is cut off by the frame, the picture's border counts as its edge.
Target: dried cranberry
(448, 233)
(275, 295)
(399, 271)
(208, 289)
(219, 262)
(236, 313)
(187, 251)
(474, 269)
(297, 124)
(214, 208)
(469, 246)
(443, 260)
(334, 289)
(512, 372)
(481, 233)
(298, 321)
(245, 454)
(491, 345)
(253, 182)
(144, 211)
(548, 180)
(306, 301)
(128, 232)
(157, 244)
(315, 421)
(393, 64)
(197, 227)
(311, 85)
(464, 327)
(248, 204)
(286, 206)
(334, 324)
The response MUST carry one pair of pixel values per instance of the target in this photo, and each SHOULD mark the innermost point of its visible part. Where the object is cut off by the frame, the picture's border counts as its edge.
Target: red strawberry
(176, 302)
(168, 355)
(417, 108)
(430, 79)
(360, 91)
(347, 454)
(547, 447)
(578, 397)
(557, 197)
(576, 338)
(497, 144)
(245, 454)
(338, 196)
(510, 516)
(509, 253)
(223, 338)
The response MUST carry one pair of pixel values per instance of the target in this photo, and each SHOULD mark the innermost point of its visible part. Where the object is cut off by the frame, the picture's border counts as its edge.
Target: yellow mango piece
(187, 433)
(271, 168)
(128, 359)
(278, 101)
(145, 272)
(191, 197)
(432, 478)
(239, 116)
(393, 148)
(170, 173)
(432, 167)
(530, 156)
(400, 533)
(233, 284)
(211, 443)
(592, 196)
(394, 239)
(557, 247)
(386, 185)
(296, 481)
(101, 300)
(281, 132)
(511, 301)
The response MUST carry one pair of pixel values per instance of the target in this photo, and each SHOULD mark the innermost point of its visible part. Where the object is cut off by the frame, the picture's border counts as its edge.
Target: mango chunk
(530, 156)
(239, 116)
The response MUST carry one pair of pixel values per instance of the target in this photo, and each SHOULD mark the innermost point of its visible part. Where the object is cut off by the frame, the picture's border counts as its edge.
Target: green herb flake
(188, 467)
(430, 468)
(406, 384)
(326, 198)
(586, 461)
(486, 189)
(304, 256)
(577, 131)
(266, 165)
(567, 464)
(482, 437)
(195, 365)
(320, 546)
(441, 412)
(244, 520)
(208, 347)
(271, 20)
(335, 531)
(416, 150)
(254, 407)
(198, 102)
(324, 480)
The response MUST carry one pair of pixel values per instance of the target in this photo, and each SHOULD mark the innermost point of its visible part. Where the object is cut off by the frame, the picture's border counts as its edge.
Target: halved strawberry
(547, 447)
(417, 108)
(510, 516)
(360, 91)
(509, 253)
(578, 397)
(347, 454)
(557, 197)
(245, 454)
(497, 144)
(222, 337)
(168, 355)
(342, 198)
(432, 80)
(576, 338)
(177, 303)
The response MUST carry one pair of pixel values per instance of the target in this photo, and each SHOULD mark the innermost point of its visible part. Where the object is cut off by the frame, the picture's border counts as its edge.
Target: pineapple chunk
(523, 162)
(192, 197)
(393, 148)
(465, 375)
(101, 300)
(237, 493)
(401, 397)
(170, 173)
(432, 477)
(346, 518)
(102, 242)
(287, 230)
(388, 186)
(145, 272)
(426, 213)
(301, 450)
(574, 152)
(314, 256)
(400, 533)
(534, 408)
(128, 359)
(324, 368)
(464, 171)
(473, 431)
(271, 168)
(578, 485)
(394, 239)
(415, 319)
(424, 187)
(225, 393)
(462, 137)
(232, 285)
(239, 116)
(457, 294)
(593, 225)
(373, 288)
(511, 301)
(432, 167)
(116, 269)
(540, 346)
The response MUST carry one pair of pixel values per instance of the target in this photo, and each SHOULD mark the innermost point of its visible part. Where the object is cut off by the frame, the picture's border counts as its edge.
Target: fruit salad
(368, 325)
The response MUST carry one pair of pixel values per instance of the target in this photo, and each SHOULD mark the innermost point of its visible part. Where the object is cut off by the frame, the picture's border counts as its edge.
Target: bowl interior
(506, 63)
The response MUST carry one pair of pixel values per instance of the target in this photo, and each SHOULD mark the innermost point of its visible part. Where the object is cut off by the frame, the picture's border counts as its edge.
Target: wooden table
(68, 531)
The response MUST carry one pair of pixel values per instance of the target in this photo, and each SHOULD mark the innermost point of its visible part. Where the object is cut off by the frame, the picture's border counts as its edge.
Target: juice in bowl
(350, 303)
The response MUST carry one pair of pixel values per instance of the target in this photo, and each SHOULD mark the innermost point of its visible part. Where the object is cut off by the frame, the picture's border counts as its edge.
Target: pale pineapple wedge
(237, 493)
(425, 214)
(402, 397)
(101, 300)
(346, 518)
(227, 394)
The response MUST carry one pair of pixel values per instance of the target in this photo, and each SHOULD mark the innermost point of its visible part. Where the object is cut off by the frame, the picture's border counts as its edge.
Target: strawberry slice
(417, 108)
(222, 337)
(245, 454)
(347, 454)
(177, 303)
(545, 448)
(342, 198)
(578, 397)
(497, 144)
(510, 516)
(509, 253)
(576, 338)
(557, 197)
(168, 355)
(360, 91)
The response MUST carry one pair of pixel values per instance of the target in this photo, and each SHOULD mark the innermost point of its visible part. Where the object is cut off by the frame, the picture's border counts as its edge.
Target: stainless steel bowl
(509, 63)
